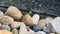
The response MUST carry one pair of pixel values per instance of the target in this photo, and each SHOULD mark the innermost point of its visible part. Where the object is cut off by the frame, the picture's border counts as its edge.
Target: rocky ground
(51, 7)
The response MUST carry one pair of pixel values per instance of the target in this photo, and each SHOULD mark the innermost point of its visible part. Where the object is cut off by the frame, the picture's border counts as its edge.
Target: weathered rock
(23, 29)
(55, 25)
(52, 33)
(31, 31)
(6, 20)
(35, 18)
(41, 24)
(15, 24)
(28, 20)
(14, 12)
(35, 28)
(41, 32)
(46, 29)
(27, 28)
(15, 31)
(5, 27)
(5, 32)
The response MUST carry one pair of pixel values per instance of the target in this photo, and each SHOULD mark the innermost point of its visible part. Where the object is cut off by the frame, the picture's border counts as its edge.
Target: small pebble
(35, 18)
(46, 29)
(5, 27)
(35, 28)
(41, 32)
(42, 23)
(15, 31)
(15, 24)
(5, 32)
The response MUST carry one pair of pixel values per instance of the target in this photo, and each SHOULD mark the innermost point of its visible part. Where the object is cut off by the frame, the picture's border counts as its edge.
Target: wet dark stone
(51, 7)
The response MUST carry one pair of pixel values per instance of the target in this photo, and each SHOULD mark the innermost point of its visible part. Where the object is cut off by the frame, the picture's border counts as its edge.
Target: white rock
(35, 18)
(55, 25)
(31, 31)
(41, 32)
(23, 29)
(15, 24)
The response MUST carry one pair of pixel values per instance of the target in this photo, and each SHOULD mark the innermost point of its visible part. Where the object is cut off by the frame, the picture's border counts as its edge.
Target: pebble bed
(28, 23)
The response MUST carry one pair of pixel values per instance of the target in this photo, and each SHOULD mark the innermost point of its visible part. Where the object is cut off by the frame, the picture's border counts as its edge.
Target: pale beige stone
(14, 12)
(52, 33)
(28, 20)
(41, 24)
(6, 20)
(15, 24)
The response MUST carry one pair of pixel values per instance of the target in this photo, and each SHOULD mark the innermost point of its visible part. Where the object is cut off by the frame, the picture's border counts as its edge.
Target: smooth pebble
(35, 18)
(14, 12)
(42, 23)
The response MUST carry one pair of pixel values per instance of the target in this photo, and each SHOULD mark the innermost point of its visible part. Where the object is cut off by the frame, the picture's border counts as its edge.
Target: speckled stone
(35, 18)
(14, 12)
(14, 31)
(5, 27)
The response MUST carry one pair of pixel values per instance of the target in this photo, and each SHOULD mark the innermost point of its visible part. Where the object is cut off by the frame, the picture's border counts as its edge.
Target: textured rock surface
(51, 7)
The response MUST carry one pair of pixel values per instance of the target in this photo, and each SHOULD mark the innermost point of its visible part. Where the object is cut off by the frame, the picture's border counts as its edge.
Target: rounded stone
(35, 18)
(35, 28)
(42, 23)
(14, 12)
(1, 13)
(27, 20)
